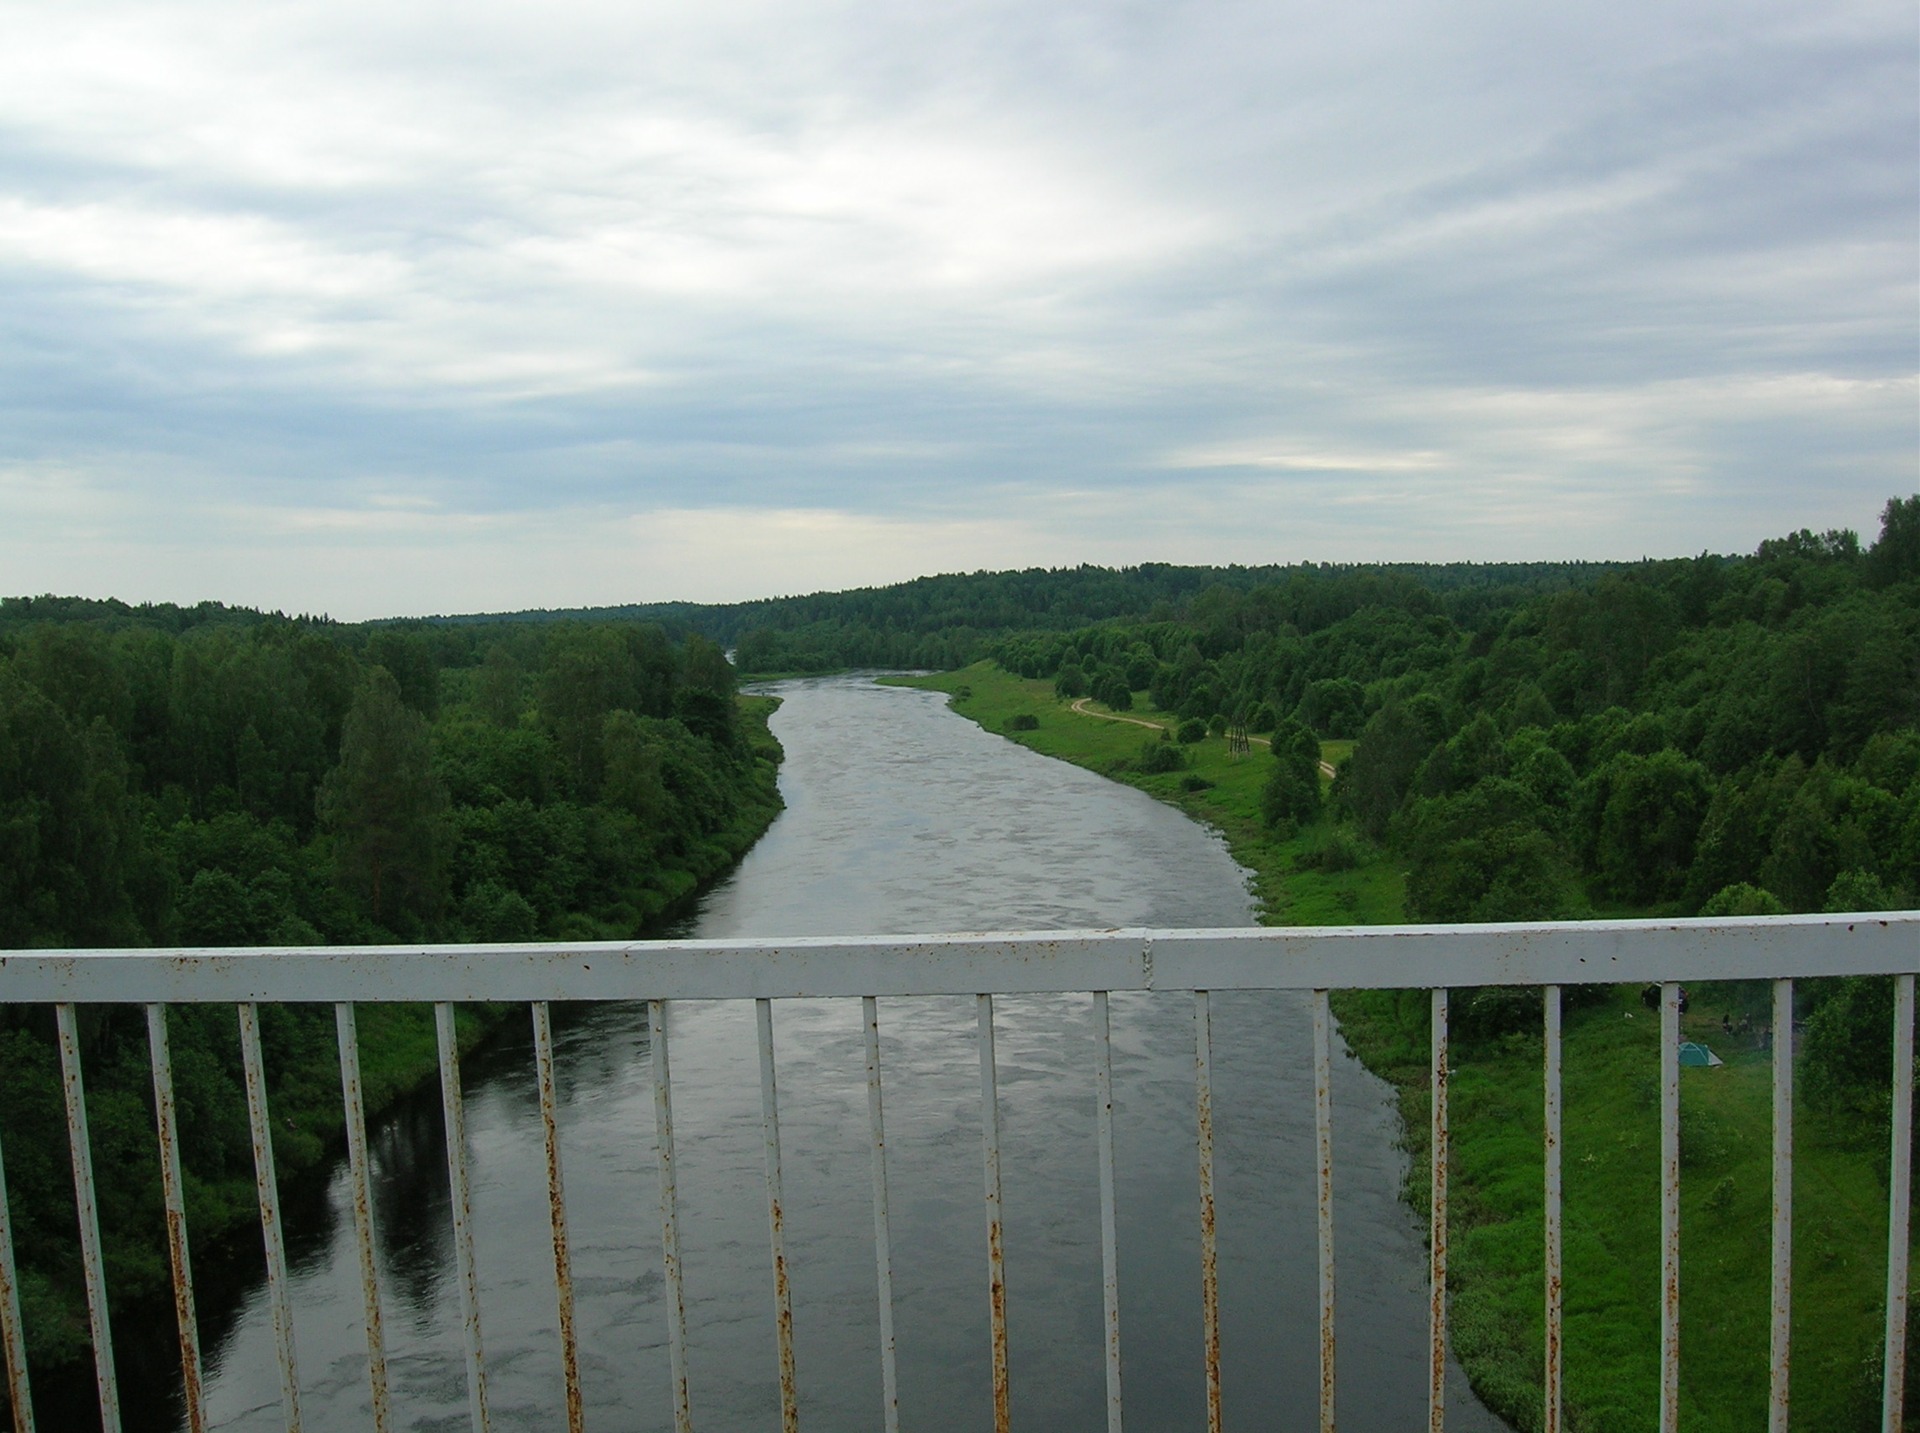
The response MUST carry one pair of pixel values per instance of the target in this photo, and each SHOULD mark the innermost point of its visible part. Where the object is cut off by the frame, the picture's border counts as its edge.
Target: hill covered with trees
(948, 621)
(1730, 734)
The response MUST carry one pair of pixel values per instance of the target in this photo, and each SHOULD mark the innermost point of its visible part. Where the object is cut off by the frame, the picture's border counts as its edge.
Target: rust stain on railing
(1209, 1256)
(1551, 1220)
(777, 1220)
(1437, 1274)
(557, 1213)
(1323, 1152)
(166, 1122)
(360, 1180)
(996, 1253)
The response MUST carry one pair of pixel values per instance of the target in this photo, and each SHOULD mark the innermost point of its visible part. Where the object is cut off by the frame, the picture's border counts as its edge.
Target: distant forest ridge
(1053, 597)
(1009, 600)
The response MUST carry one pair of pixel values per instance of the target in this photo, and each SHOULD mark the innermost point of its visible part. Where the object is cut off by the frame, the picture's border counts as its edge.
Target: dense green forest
(948, 621)
(212, 777)
(1738, 735)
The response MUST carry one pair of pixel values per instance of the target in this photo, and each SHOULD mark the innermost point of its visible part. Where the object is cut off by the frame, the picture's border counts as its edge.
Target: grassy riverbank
(1611, 1156)
(1217, 788)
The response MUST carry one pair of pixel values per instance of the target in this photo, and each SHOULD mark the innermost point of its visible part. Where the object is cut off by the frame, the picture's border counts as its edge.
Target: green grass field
(1611, 1055)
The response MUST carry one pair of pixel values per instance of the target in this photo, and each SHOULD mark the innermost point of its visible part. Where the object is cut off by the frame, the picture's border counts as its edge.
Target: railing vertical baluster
(1109, 1227)
(1781, 1340)
(12, 1342)
(1551, 1214)
(174, 1196)
(996, 1259)
(360, 1176)
(81, 1150)
(1669, 1207)
(669, 1217)
(776, 1221)
(1899, 1192)
(882, 1219)
(1323, 1149)
(557, 1213)
(456, 1126)
(272, 1232)
(1439, 1140)
(1209, 1254)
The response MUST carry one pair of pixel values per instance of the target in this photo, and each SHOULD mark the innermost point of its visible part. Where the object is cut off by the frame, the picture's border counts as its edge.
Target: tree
(497, 688)
(1896, 556)
(386, 808)
(1648, 826)
(407, 656)
(1393, 746)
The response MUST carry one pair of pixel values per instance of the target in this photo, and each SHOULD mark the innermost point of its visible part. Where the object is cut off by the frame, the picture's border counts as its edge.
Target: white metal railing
(1311, 960)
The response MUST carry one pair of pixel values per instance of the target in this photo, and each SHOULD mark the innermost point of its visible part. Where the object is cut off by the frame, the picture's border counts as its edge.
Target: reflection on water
(901, 818)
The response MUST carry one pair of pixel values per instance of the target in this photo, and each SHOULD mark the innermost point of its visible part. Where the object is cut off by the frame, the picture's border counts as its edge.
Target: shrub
(1290, 797)
(1742, 899)
(1337, 851)
(1191, 730)
(1159, 757)
(1026, 721)
(1193, 781)
(1491, 1011)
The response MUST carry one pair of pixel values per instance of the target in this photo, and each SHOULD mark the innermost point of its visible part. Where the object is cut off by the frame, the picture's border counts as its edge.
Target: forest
(216, 777)
(1708, 735)
(947, 621)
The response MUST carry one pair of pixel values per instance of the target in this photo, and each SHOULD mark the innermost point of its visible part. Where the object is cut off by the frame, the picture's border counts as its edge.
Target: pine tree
(385, 807)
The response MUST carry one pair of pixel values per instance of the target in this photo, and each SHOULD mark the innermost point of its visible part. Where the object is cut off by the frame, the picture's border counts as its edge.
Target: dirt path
(1080, 706)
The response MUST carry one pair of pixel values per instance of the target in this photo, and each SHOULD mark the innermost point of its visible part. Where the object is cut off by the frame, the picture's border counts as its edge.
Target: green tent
(1692, 1053)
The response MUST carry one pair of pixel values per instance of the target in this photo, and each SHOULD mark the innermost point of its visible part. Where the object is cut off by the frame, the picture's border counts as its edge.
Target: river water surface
(901, 818)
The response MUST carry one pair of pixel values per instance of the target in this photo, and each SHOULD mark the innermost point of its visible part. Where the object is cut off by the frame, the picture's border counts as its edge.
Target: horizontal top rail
(1252, 958)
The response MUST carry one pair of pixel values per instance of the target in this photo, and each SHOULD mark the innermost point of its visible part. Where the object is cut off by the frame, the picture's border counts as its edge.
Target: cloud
(928, 268)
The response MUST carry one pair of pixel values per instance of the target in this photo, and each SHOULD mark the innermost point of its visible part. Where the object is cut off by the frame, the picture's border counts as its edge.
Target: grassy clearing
(1611, 1160)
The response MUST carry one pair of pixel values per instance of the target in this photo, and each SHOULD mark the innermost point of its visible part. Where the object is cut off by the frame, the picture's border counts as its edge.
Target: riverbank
(1611, 1155)
(398, 1058)
(1296, 880)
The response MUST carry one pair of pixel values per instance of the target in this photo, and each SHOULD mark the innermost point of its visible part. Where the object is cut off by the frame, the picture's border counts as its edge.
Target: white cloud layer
(379, 309)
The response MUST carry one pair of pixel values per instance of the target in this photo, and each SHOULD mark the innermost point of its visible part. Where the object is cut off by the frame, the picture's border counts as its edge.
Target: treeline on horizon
(948, 621)
(216, 777)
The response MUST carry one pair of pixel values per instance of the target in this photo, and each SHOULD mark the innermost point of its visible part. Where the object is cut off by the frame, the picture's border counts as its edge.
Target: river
(901, 818)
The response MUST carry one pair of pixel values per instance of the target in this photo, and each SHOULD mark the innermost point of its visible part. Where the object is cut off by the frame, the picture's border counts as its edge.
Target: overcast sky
(403, 308)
